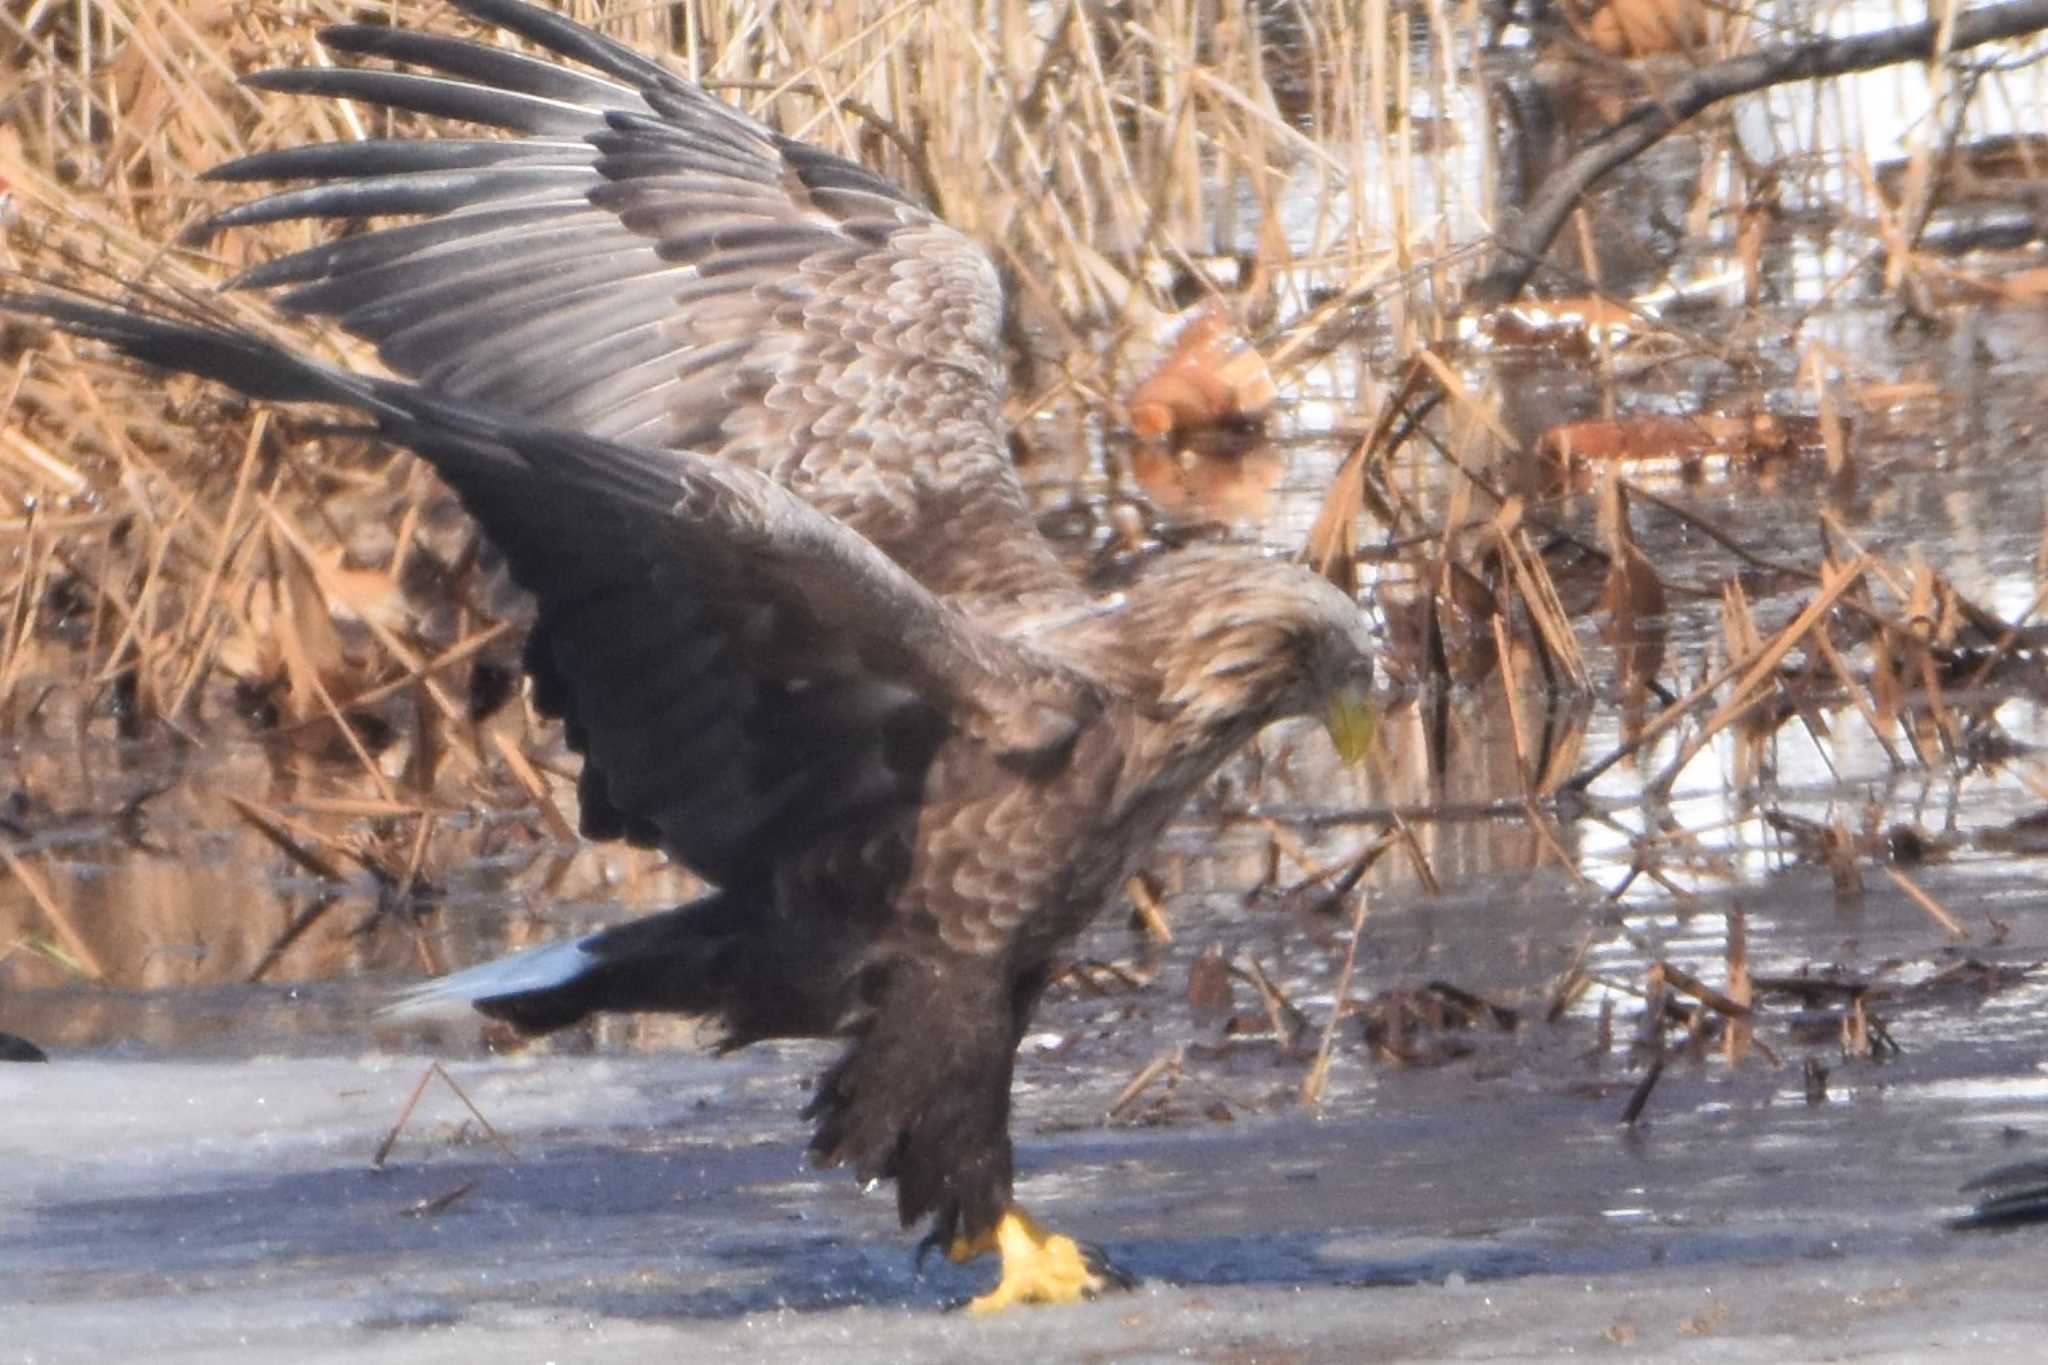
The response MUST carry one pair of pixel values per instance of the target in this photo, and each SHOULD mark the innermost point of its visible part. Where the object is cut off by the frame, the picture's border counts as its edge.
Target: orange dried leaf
(1640, 28)
(1626, 438)
(1897, 394)
(2023, 286)
(1213, 377)
(1657, 436)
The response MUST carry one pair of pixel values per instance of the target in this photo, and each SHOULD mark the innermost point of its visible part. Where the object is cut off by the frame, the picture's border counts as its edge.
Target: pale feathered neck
(1213, 644)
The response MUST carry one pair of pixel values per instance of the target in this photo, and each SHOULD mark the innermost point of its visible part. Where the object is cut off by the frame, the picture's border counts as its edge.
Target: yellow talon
(1038, 1266)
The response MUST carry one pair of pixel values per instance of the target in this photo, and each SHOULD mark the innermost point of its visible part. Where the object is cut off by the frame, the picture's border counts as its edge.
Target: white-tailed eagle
(730, 407)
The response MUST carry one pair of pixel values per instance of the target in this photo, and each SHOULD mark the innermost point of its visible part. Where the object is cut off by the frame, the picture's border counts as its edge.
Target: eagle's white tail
(535, 969)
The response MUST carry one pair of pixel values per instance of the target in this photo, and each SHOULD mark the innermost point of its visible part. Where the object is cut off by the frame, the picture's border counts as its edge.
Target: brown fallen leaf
(1897, 394)
(1639, 28)
(1213, 377)
(1658, 436)
(1644, 437)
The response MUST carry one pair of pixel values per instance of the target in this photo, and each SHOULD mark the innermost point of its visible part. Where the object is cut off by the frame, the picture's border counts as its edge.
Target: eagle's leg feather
(1038, 1266)
(921, 1096)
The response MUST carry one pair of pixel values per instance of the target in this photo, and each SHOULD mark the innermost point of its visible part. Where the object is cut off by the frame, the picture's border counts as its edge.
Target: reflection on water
(141, 871)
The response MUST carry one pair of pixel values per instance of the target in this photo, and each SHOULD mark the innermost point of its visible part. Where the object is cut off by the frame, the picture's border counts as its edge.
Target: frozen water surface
(226, 1210)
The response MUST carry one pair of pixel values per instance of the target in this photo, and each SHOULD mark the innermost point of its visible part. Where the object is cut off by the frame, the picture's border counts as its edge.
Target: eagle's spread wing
(741, 672)
(646, 264)
(729, 407)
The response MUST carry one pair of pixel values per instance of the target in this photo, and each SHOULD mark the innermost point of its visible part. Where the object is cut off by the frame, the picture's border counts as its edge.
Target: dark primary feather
(434, 96)
(481, 63)
(741, 672)
(387, 156)
(453, 234)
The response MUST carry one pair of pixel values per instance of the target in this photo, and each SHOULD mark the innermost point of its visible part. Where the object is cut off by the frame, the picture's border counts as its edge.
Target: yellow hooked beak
(1350, 721)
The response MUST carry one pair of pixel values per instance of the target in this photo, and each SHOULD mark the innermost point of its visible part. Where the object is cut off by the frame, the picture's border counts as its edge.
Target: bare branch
(1521, 244)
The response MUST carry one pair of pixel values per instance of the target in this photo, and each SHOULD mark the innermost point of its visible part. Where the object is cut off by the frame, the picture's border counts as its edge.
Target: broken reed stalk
(1649, 1036)
(1752, 670)
(1418, 857)
(1167, 1064)
(1699, 990)
(462, 651)
(1950, 925)
(1318, 1078)
(293, 931)
(535, 786)
(1740, 1034)
(434, 1069)
(1511, 686)
(294, 842)
(1149, 907)
(77, 948)
(1285, 1017)
(440, 1203)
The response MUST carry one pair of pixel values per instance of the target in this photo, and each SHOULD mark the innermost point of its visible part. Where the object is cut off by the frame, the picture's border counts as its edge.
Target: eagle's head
(1238, 643)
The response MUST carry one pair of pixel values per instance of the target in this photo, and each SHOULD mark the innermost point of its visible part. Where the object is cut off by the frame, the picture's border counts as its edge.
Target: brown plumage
(730, 408)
